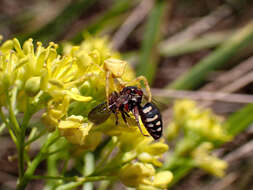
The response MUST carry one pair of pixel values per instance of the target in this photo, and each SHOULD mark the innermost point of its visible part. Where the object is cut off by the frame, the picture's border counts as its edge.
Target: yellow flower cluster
(206, 161)
(202, 130)
(200, 122)
(67, 87)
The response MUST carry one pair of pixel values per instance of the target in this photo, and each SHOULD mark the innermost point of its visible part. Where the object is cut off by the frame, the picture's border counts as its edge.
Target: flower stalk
(36, 161)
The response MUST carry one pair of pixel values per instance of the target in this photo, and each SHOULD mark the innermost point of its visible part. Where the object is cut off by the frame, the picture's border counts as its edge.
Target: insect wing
(159, 103)
(99, 114)
(152, 120)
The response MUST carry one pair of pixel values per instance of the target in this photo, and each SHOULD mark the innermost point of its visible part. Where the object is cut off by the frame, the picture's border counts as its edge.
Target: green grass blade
(148, 60)
(215, 60)
(240, 120)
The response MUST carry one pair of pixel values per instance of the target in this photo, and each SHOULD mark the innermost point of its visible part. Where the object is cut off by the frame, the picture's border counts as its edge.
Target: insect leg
(136, 115)
(144, 79)
(107, 86)
(116, 118)
(126, 114)
(123, 116)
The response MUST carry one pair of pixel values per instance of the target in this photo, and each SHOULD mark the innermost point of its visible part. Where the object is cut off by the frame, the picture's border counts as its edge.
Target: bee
(129, 99)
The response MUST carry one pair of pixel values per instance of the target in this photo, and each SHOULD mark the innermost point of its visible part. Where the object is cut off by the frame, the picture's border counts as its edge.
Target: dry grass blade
(203, 95)
(237, 84)
(201, 26)
(230, 76)
(224, 183)
(243, 151)
(130, 24)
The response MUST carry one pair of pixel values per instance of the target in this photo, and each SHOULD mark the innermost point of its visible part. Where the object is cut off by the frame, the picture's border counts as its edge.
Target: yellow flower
(74, 129)
(33, 69)
(134, 174)
(8, 66)
(56, 110)
(162, 179)
(206, 161)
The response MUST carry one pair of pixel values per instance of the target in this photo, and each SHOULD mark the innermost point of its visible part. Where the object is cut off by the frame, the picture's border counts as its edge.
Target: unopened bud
(32, 86)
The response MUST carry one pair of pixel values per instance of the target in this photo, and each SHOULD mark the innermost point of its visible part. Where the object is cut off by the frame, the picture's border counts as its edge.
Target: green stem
(40, 156)
(11, 103)
(55, 151)
(52, 169)
(115, 164)
(3, 118)
(35, 137)
(83, 180)
(109, 148)
(88, 169)
(54, 177)
(11, 100)
(21, 146)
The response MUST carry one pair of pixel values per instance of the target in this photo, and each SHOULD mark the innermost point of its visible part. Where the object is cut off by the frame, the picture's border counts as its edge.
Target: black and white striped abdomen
(152, 120)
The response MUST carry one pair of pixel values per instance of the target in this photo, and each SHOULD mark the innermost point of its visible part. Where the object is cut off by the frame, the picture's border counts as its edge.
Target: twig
(243, 151)
(235, 73)
(239, 83)
(130, 24)
(200, 26)
(234, 86)
(203, 95)
(224, 183)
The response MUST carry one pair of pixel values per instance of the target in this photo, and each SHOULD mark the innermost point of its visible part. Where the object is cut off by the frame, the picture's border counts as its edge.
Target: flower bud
(162, 179)
(32, 86)
(157, 148)
(134, 174)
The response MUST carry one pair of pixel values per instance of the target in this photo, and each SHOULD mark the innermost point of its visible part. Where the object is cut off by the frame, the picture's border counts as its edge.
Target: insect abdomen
(152, 120)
